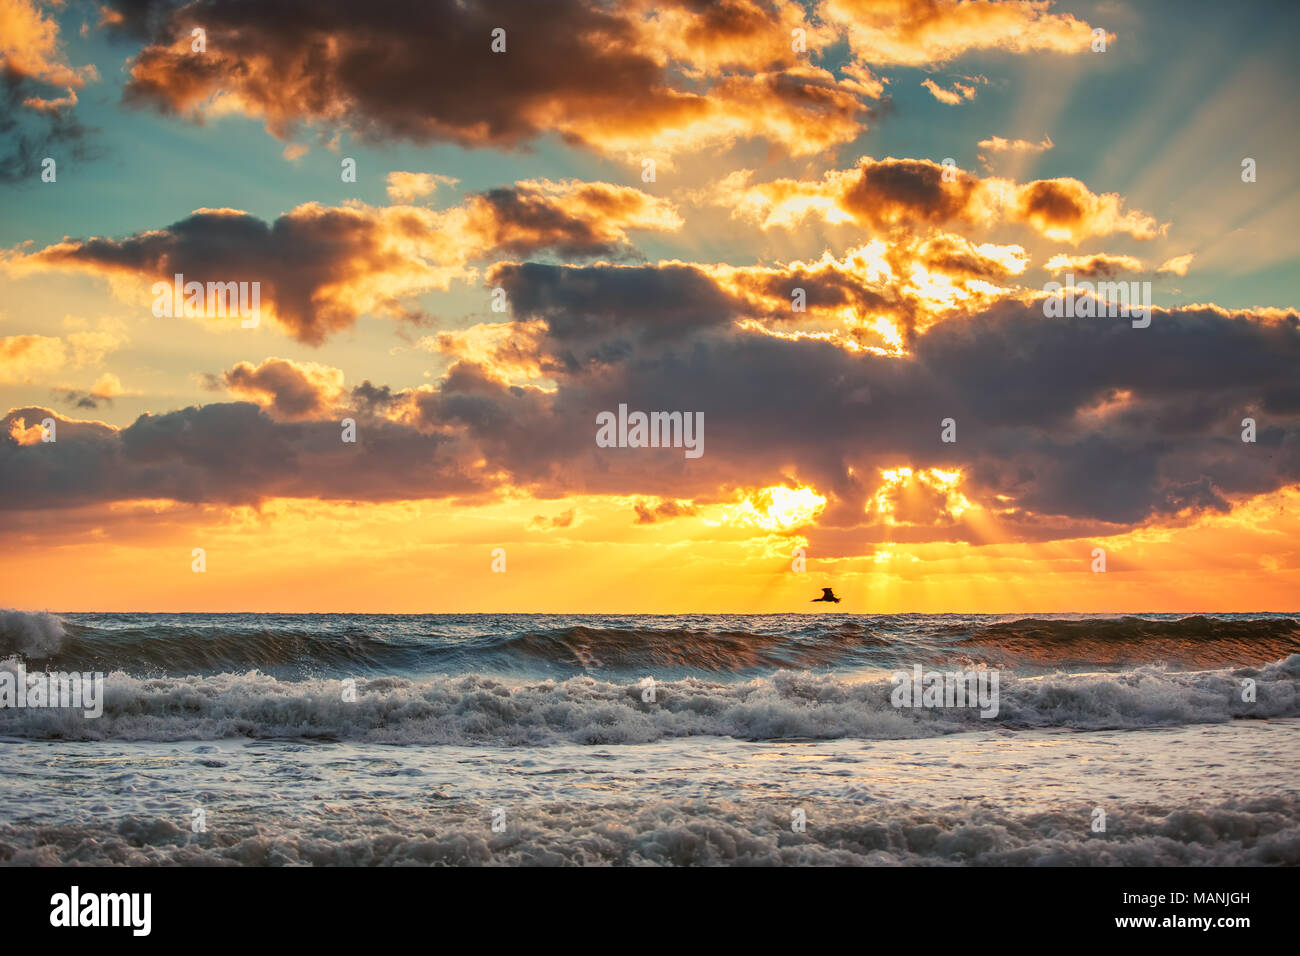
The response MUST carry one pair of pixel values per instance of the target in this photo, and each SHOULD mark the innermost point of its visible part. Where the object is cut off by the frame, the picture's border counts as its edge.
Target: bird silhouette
(828, 594)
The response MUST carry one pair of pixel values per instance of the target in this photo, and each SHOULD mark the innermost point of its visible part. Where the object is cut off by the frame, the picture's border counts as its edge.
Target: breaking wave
(739, 647)
(1208, 641)
(475, 709)
(30, 633)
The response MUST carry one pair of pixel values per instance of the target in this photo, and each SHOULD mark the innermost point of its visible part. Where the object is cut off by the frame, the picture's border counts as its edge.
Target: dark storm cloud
(223, 453)
(401, 70)
(1077, 422)
(603, 310)
(1088, 419)
(424, 72)
(319, 268)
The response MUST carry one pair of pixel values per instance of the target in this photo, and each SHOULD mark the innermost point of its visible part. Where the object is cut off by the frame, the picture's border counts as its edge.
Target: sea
(633, 740)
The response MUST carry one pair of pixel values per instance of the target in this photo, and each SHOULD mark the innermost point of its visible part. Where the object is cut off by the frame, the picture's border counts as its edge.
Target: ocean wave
(1256, 831)
(1209, 641)
(30, 633)
(209, 648)
(305, 646)
(609, 648)
(476, 709)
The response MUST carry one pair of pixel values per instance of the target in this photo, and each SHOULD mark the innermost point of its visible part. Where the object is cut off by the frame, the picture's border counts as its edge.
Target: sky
(828, 230)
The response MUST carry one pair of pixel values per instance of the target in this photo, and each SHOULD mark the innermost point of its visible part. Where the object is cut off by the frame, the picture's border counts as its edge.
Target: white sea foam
(481, 710)
(1260, 831)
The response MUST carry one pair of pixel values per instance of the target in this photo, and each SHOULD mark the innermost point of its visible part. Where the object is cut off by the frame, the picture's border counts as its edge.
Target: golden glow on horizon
(424, 556)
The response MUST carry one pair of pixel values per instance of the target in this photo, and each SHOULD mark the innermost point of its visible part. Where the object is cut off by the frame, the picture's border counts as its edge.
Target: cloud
(890, 193)
(874, 297)
(37, 93)
(289, 390)
(106, 388)
(319, 267)
(25, 358)
(406, 187)
(30, 47)
(622, 79)
(562, 520)
(572, 218)
(1178, 265)
(510, 349)
(225, 453)
(662, 509)
(930, 32)
(1096, 264)
(1055, 447)
(957, 95)
(1097, 427)
(714, 39)
(996, 144)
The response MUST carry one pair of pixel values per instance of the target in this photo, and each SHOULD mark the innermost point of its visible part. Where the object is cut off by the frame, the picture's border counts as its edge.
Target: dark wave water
(543, 680)
(394, 739)
(717, 647)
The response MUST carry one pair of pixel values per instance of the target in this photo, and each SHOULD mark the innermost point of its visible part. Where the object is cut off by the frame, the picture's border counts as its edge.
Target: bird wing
(828, 592)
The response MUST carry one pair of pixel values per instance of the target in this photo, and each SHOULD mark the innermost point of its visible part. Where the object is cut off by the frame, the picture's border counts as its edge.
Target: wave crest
(30, 633)
(474, 709)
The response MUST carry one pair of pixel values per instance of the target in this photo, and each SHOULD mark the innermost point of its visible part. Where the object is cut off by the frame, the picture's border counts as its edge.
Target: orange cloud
(404, 187)
(571, 217)
(873, 297)
(957, 95)
(775, 508)
(29, 47)
(106, 388)
(927, 32)
(716, 38)
(320, 267)
(1178, 265)
(1096, 264)
(38, 124)
(289, 390)
(907, 192)
(920, 496)
(509, 351)
(630, 80)
(996, 144)
(26, 357)
(25, 434)
(877, 295)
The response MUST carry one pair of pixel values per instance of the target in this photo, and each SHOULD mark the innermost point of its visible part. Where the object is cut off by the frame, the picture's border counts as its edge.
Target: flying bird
(828, 594)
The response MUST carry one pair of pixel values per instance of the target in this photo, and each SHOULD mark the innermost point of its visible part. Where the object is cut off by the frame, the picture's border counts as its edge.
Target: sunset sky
(527, 171)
